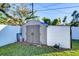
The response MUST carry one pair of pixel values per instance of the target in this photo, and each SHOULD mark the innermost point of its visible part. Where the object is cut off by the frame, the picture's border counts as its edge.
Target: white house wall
(58, 35)
(75, 33)
(8, 35)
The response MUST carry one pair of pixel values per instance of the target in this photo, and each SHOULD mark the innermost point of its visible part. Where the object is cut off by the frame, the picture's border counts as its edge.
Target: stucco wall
(8, 34)
(75, 33)
(58, 35)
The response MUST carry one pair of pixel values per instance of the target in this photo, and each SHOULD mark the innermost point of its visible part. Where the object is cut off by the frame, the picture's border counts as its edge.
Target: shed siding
(43, 35)
(43, 32)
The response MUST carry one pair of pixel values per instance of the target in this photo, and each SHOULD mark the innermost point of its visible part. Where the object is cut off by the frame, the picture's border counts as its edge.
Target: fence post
(71, 36)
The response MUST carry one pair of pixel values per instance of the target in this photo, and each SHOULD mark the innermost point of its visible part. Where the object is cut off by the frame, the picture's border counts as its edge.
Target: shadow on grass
(18, 49)
(75, 45)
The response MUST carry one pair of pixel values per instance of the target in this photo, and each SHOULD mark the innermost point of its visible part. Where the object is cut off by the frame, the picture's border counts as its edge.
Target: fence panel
(75, 33)
(59, 35)
(8, 34)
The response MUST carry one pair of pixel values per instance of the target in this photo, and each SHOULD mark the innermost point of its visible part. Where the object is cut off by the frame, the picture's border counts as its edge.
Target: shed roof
(35, 22)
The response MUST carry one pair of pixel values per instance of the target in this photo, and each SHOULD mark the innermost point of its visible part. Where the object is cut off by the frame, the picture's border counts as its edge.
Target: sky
(57, 10)
(53, 10)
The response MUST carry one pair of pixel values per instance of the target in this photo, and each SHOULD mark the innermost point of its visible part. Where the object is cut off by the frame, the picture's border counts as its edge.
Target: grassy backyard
(18, 49)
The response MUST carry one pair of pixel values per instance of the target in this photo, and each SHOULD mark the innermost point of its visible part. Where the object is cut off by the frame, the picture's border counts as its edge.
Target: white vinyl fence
(75, 33)
(8, 34)
(55, 35)
(59, 35)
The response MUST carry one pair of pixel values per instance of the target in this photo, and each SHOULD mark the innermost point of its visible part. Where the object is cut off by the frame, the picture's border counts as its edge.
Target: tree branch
(7, 14)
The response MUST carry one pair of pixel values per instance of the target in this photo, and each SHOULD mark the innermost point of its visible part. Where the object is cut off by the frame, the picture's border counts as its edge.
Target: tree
(38, 19)
(56, 21)
(46, 20)
(74, 24)
(3, 8)
(16, 11)
(75, 16)
(64, 20)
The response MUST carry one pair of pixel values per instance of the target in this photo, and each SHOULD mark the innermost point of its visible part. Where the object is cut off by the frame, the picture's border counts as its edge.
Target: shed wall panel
(43, 35)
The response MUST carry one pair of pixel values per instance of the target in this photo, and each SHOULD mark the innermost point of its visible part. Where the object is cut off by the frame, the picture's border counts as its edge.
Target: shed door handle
(32, 33)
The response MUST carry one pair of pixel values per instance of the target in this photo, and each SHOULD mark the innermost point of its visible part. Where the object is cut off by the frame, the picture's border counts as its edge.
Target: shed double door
(33, 34)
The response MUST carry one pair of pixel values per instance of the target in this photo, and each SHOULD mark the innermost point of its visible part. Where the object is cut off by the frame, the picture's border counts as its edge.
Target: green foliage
(74, 12)
(74, 24)
(64, 20)
(4, 6)
(38, 19)
(75, 16)
(56, 21)
(21, 11)
(0, 14)
(9, 21)
(75, 21)
(46, 20)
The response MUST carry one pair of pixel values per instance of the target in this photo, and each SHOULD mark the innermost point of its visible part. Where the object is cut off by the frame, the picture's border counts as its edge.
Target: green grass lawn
(18, 49)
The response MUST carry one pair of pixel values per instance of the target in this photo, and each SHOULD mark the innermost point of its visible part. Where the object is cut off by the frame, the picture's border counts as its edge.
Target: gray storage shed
(34, 32)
